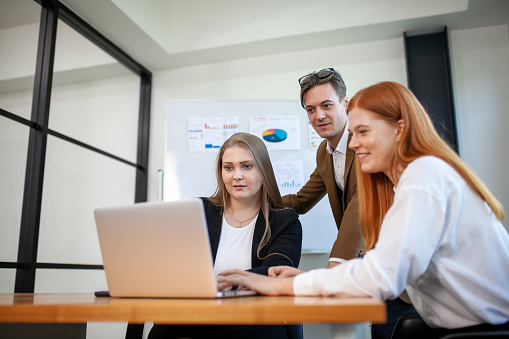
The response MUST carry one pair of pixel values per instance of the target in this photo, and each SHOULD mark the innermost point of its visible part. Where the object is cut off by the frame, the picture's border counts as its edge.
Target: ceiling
(164, 34)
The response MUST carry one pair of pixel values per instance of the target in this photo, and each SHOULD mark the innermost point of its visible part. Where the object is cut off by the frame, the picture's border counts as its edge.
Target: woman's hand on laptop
(256, 282)
(231, 287)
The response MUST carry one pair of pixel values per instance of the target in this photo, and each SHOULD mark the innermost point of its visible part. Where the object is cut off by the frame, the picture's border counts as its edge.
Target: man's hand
(333, 264)
(283, 271)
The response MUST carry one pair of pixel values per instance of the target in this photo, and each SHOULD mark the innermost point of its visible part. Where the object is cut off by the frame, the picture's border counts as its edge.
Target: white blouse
(438, 240)
(235, 247)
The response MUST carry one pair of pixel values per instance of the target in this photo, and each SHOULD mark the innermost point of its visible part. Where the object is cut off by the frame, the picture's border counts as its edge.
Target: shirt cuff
(303, 283)
(339, 260)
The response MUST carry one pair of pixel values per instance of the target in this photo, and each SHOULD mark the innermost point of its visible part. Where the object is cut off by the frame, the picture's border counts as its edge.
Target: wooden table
(80, 308)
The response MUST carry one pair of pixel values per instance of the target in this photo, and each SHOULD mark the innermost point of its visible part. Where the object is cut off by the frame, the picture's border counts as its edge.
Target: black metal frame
(34, 175)
(17, 118)
(143, 138)
(51, 11)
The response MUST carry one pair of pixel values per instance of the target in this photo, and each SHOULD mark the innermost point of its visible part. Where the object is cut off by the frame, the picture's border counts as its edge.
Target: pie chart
(274, 135)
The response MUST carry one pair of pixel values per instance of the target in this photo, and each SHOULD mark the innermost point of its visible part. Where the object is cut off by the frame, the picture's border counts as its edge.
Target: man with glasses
(323, 96)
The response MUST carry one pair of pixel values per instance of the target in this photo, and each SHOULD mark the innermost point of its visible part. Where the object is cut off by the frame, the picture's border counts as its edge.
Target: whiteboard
(192, 174)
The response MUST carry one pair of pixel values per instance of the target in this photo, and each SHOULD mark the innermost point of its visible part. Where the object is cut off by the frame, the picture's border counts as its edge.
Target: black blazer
(285, 242)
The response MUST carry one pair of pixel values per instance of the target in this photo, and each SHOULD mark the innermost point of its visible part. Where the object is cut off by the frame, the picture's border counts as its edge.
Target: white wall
(480, 67)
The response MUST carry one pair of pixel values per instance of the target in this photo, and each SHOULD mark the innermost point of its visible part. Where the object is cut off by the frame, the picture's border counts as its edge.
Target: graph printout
(277, 132)
(314, 138)
(205, 134)
(289, 176)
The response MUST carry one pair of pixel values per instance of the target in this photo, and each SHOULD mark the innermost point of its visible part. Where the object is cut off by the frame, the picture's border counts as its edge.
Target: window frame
(51, 11)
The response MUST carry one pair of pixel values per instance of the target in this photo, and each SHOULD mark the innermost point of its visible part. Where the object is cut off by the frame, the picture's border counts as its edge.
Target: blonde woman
(249, 229)
(431, 227)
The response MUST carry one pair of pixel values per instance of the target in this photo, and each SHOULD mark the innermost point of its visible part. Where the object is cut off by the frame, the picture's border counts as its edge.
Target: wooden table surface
(83, 307)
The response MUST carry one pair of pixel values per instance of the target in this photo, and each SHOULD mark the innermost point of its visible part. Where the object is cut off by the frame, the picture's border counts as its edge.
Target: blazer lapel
(329, 177)
(214, 223)
(257, 238)
(350, 156)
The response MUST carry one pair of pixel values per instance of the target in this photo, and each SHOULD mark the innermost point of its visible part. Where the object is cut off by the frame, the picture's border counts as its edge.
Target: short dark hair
(336, 81)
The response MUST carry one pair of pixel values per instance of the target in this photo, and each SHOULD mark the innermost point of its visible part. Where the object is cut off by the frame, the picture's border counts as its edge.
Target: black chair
(412, 326)
(477, 332)
(295, 331)
(134, 331)
(477, 335)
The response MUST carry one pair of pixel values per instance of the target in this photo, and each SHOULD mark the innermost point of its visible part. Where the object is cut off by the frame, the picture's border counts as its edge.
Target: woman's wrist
(285, 286)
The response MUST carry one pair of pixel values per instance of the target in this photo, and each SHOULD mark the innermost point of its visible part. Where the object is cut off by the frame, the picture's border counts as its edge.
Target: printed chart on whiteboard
(314, 138)
(289, 176)
(277, 132)
(209, 133)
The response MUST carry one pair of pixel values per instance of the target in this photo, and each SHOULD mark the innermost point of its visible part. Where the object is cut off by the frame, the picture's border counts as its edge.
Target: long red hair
(393, 102)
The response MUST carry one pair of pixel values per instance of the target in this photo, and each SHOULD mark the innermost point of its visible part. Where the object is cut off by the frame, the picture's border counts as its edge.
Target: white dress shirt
(338, 160)
(441, 242)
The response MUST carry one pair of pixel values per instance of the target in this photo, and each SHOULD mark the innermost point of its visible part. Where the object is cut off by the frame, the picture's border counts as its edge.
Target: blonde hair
(270, 196)
(393, 102)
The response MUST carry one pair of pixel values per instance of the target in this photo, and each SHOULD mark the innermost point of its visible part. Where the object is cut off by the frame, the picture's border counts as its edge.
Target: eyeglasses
(323, 74)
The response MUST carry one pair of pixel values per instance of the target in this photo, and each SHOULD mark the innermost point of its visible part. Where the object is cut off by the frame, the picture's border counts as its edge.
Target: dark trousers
(395, 309)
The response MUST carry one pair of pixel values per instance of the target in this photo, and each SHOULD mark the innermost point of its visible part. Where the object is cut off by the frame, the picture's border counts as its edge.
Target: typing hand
(256, 282)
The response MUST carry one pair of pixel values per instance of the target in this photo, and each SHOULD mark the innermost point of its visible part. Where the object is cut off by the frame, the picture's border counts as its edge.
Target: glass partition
(76, 181)
(19, 31)
(86, 145)
(94, 98)
(13, 152)
(7, 278)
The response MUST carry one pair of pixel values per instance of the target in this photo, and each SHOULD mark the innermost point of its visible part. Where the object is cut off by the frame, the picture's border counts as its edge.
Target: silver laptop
(158, 250)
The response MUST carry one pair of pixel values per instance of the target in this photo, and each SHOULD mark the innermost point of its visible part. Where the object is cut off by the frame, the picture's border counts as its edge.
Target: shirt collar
(343, 142)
